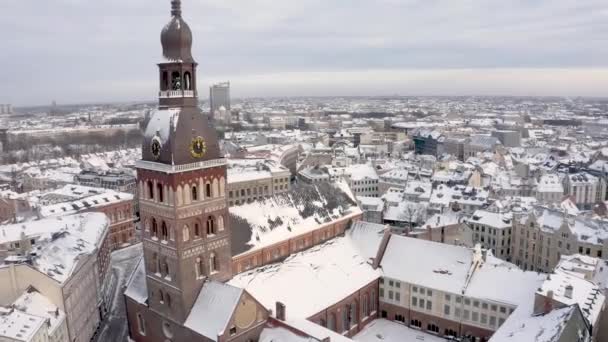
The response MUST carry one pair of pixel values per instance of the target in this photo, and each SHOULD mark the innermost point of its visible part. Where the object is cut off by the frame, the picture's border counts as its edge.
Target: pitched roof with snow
(541, 328)
(213, 309)
(60, 241)
(274, 219)
(429, 264)
(314, 279)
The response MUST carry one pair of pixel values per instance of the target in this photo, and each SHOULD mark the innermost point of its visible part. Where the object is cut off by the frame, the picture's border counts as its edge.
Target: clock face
(198, 148)
(155, 147)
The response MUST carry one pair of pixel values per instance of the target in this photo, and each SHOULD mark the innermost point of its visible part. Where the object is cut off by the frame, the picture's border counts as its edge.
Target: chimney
(382, 248)
(569, 291)
(280, 308)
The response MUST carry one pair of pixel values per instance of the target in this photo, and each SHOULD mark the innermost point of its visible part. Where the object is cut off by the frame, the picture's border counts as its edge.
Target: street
(114, 327)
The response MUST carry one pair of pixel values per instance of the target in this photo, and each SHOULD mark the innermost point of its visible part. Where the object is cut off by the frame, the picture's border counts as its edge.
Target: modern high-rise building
(6, 109)
(219, 96)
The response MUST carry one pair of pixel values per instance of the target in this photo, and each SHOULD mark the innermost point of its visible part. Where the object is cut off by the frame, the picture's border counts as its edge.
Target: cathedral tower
(182, 181)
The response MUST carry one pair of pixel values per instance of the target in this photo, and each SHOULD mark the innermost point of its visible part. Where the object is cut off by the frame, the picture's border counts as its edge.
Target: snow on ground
(382, 330)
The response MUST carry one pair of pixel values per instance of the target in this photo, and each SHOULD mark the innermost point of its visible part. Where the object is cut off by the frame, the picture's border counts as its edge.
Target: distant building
(219, 96)
(6, 109)
(479, 143)
(428, 142)
(542, 237)
(508, 138)
(583, 188)
(252, 179)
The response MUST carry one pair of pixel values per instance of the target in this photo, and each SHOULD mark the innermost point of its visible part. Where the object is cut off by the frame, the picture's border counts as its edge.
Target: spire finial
(176, 8)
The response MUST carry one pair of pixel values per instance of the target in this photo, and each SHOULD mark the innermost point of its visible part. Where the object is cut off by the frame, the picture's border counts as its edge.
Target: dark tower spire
(176, 8)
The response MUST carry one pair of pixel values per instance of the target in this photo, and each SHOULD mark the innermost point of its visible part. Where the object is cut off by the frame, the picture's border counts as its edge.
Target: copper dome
(176, 37)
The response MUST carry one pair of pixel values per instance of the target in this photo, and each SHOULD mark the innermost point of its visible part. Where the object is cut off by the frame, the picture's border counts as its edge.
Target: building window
(345, 323)
(161, 297)
(141, 324)
(194, 193)
(331, 325)
(197, 230)
(213, 264)
(398, 296)
(199, 268)
(154, 228)
(210, 226)
(208, 190)
(373, 301)
(186, 233)
(429, 305)
(164, 232)
(446, 310)
(154, 265)
(159, 189)
(150, 190)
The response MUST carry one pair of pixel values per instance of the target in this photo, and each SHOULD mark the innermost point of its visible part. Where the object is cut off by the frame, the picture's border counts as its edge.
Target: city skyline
(104, 52)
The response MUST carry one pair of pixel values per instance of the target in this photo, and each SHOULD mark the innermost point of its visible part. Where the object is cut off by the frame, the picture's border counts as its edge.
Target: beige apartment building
(493, 231)
(251, 179)
(450, 290)
(543, 236)
(65, 271)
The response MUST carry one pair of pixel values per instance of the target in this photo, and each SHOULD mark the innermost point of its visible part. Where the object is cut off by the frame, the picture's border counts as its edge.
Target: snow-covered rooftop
(429, 264)
(213, 309)
(274, 219)
(584, 293)
(382, 330)
(312, 280)
(60, 241)
(541, 328)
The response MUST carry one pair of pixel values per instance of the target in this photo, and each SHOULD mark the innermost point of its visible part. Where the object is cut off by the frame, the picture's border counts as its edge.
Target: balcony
(167, 94)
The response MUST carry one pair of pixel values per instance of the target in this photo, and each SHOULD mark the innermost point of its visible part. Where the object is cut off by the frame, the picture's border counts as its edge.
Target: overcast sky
(107, 50)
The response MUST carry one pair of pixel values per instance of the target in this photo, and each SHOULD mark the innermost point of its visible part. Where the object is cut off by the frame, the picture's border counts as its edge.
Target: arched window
(187, 81)
(198, 268)
(365, 305)
(331, 323)
(161, 297)
(208, 190)
(164, 85)
(210, 226)
(186, 233)
(213, 264)
(150, 190)
(194, 193)
(197, 231)
(141, 324)
(154, 265)
(159, 189)
(352, 317)
(176, 81)
(345, 321)
(168, 298)
(154, 228)
(165, 270)
(164, 232)
(372, 306)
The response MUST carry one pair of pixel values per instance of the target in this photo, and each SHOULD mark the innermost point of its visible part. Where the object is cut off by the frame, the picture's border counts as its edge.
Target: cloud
(79, 50)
